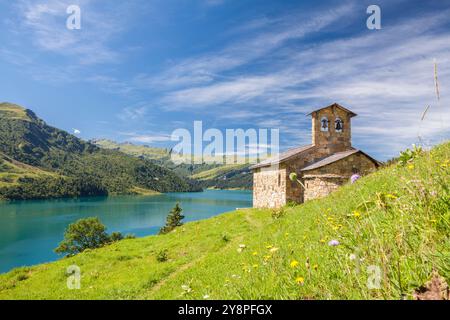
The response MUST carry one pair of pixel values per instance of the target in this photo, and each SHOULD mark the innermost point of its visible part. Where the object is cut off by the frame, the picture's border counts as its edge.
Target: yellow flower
(294, 263)
(322, 240)
(411, 166)
(267, 257)
(255, 266)
(356, 214)
(286, 234)
(269, 247)
(315, 267)
(255, 253)
(335, 228)
(300, 280)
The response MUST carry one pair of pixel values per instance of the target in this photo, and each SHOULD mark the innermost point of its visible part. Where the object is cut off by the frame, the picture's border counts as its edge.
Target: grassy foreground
(393, 223)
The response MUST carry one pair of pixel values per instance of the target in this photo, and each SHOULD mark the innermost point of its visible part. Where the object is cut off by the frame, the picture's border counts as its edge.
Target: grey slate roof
(337, 105)
(282, 157)
(336, 157)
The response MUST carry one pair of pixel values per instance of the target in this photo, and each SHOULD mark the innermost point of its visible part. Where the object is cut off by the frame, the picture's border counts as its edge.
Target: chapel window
(324, 124)
(338, 125)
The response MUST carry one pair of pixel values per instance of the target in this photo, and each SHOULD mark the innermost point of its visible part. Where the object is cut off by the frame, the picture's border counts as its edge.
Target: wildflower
(333, 243)
(356, 214)
(241, 248)
(269, 247)
(354, 177)
(352, 257)
(206, 296)
(273, 250)
(186, 289)
(294, 263)
(300, 280)
(315, 267)
(267, 257)
(255, 253)
(255, 266)
(322, 240)
(411, 166)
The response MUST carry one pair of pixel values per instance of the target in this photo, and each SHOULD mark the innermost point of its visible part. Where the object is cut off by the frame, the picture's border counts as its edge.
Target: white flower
(333, 243)
(352, 257)
(206, 296)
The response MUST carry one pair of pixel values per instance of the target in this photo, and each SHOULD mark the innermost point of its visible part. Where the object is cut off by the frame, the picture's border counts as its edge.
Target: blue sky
(138, 70)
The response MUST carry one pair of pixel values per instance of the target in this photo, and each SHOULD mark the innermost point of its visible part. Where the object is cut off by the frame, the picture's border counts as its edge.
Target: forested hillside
(209, 175)
(78, 167)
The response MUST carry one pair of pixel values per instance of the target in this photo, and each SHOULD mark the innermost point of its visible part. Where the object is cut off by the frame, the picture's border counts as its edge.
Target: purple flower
(355, 177)
(333, 243)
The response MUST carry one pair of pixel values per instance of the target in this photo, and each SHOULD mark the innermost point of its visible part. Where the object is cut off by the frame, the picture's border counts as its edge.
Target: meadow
(383, 237)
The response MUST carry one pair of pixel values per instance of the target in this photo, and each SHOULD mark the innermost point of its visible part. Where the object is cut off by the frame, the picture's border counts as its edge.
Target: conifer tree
(173, 219)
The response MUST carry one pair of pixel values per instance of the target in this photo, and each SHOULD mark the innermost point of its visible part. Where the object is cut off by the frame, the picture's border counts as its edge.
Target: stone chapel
(324, 165)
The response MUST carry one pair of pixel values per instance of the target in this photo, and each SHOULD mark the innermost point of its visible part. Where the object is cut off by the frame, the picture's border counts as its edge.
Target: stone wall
(321, 181)
(320, 186)
(269, 187)
(331, 139)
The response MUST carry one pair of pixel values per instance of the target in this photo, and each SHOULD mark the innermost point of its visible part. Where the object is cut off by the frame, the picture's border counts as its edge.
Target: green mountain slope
(228, 176)
(392, 229)
(12, 171)
(93, 171)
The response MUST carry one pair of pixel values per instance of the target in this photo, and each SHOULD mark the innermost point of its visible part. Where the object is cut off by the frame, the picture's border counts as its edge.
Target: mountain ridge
(27, 139)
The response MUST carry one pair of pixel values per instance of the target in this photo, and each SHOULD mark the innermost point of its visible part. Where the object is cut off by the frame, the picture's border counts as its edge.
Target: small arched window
(324, 124)
(338, 125)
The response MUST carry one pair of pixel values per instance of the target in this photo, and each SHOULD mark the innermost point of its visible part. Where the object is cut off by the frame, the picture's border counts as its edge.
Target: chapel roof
(336, 105)
(282, 157)
(336, 157)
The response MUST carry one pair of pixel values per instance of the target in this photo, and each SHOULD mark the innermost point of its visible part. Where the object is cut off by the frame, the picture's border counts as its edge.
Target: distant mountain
(209, 175)
(50, 156)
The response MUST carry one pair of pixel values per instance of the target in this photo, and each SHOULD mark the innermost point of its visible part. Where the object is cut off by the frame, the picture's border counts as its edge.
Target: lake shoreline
(31, 229)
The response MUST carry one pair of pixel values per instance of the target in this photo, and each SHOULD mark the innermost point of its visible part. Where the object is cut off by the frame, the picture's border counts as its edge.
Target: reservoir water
(30, 230)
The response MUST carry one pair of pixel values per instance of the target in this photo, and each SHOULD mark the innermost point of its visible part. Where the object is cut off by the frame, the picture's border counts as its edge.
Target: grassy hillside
(210, 175)
(397, 220)
(12, 171)
(92, 170)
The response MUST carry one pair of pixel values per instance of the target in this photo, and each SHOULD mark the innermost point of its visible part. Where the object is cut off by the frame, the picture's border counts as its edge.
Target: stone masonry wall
(335, 141)
(321, 186)
(269, 186)
(321, 181)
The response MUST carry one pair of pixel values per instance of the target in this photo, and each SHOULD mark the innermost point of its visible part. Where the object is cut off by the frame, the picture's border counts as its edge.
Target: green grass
(11, 171)
(134, 150)
(396, 219)
(13, 111)
(217, 172)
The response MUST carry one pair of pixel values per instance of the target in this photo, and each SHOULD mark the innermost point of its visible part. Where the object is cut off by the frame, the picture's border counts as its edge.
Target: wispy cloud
(45, 22)
(384, 76)
(206, 68)
(146, 137)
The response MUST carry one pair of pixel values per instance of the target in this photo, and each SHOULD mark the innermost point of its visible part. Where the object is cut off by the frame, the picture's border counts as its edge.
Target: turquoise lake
(30, 230)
